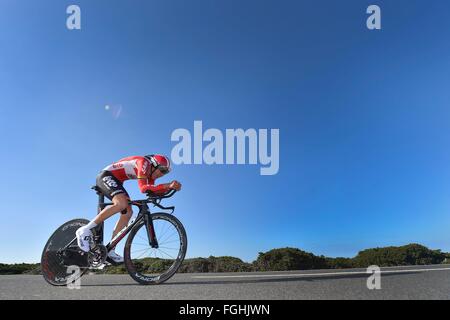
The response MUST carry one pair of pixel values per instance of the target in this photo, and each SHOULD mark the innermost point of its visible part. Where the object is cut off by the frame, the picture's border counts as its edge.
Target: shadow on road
(311, 278)
(287, 279)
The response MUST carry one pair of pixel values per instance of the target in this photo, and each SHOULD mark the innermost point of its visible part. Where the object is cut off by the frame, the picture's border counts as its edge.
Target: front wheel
(148, 265)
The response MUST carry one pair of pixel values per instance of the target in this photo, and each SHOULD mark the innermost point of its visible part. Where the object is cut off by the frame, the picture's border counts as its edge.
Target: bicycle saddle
(96, 189)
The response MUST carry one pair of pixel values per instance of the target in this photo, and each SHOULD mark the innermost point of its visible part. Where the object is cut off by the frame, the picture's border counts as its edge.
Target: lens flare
(116, 110)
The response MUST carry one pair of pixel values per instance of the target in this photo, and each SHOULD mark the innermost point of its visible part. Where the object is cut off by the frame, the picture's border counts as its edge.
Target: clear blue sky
(363, 118)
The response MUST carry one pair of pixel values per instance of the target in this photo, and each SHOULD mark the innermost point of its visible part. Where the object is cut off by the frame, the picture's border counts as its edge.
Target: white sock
(90, 225)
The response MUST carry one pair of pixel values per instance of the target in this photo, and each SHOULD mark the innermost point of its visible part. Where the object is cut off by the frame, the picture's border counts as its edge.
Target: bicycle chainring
(97, 256)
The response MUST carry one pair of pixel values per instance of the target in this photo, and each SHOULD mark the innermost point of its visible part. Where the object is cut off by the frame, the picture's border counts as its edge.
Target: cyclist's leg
(120, 202)
(84, 234)
(123, 220)
(113, 190)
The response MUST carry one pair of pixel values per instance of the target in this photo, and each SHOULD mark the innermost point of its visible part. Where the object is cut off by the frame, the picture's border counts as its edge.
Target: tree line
(281, 259)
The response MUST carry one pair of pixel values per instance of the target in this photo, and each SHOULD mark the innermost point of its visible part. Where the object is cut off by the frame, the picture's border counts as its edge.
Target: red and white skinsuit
(136, 167)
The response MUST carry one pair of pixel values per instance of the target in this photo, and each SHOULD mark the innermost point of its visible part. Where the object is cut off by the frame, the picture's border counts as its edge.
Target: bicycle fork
(150, 231)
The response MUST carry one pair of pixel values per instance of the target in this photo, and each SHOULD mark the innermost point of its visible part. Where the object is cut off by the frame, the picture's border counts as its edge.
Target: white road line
(317, 274)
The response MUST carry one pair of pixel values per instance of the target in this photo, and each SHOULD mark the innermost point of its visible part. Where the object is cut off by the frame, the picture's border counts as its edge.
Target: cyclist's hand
(175, 185)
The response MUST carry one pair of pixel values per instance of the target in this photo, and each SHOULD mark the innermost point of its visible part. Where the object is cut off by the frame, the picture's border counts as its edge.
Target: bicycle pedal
(112, 262)
(101, 267)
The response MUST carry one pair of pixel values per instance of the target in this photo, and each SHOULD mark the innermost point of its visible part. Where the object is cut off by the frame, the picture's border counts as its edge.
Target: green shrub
(288, 259)
(339, 263)
(215, 264)
(19, 268)
(281, 259)
(411, 254)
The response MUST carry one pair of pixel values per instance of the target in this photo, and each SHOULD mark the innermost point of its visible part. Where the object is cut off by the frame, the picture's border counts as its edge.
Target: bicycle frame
(144, 214)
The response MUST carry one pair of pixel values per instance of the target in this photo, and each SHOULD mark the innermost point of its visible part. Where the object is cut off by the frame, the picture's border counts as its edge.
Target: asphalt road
(418, 282)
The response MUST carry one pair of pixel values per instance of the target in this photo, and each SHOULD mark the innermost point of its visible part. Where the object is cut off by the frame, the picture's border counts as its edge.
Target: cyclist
(110, 180)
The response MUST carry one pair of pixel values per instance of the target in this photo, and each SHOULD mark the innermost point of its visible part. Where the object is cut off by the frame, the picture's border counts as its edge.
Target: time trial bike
(153, 252)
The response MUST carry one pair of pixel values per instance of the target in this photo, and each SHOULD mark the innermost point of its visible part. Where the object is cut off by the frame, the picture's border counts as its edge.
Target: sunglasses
(163, 169)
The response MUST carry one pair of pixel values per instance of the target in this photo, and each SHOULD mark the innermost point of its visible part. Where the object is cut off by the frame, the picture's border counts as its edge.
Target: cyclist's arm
(146, 185)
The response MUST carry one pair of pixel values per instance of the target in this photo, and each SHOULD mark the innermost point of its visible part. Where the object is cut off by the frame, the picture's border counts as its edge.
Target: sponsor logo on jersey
(117, 165)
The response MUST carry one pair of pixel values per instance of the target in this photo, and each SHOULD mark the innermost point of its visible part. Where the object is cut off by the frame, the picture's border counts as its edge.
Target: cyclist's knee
(121, 202)
(122, 207)
(128, 212)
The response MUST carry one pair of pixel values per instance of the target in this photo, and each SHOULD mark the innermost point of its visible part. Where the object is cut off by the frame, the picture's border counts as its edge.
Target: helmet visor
(163, 169)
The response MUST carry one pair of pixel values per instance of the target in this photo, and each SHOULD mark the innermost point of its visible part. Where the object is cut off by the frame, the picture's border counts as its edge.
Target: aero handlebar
(152, 196)
(155, 200)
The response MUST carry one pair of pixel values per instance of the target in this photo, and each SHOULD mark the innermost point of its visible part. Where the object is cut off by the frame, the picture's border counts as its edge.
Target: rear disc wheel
(54, 270)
